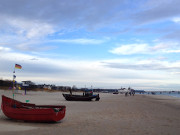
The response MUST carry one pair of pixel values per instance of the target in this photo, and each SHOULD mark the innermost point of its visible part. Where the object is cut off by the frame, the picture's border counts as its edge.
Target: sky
(98, 43)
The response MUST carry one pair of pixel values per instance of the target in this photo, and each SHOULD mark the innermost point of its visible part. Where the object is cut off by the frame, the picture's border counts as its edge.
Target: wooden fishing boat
(115, 92)
(70, 97)
(17, 110)
(87, 96)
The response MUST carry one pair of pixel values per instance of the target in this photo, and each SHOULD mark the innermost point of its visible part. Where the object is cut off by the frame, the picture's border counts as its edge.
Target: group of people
(131, 92)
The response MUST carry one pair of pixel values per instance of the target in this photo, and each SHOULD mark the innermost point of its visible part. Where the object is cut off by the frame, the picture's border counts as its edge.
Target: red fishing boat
(30, 112)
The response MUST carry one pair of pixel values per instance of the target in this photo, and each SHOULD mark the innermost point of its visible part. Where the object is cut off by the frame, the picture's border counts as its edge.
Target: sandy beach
(113, 114)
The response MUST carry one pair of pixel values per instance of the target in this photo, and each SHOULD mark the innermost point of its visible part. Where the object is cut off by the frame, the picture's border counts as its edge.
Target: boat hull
(30, 112)
(70, 97)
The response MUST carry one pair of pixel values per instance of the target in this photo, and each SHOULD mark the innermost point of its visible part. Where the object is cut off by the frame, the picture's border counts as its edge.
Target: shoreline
(113, 114)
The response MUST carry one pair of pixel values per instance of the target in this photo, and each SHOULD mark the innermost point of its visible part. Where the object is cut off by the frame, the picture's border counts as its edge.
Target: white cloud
(29, 28)
(140, 65)
(176, 19)
(172, 51)
(4, 49)
(106, 73)
(79, 41)
(131, 49)
(175, 73)
(162, 47)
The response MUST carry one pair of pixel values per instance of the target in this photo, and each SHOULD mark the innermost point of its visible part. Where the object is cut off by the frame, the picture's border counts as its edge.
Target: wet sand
(112, 115)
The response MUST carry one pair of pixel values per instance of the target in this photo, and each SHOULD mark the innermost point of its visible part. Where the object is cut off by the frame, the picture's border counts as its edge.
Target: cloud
(164, 46)
(79, 41)
(173, 36)
(34, 59)
(157, 11)
(99, 73)
(65, 13)
(37, 18)
(150, 66)
(21, 44)
(25, 27)
(172, 51)
(24, 34)
(4, 49)
(176, 19)
(33, 64)
(34, 46)
(130, 49)
(136, 64)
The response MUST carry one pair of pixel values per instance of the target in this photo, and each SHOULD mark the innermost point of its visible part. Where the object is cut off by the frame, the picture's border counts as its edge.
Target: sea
(167, 93)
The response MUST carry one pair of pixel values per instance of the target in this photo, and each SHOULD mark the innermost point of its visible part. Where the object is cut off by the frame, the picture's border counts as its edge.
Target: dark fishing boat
(30, 112)
(115, 92)
(70, 97)
(87, 96)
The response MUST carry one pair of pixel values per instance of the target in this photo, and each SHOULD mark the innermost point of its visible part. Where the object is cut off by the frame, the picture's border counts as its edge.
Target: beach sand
(112, 115)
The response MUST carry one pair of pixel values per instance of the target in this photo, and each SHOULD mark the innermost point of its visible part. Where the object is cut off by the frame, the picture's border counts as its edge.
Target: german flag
(18, 66)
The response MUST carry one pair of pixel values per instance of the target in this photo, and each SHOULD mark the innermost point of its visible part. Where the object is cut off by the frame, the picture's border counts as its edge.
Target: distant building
(47, 87)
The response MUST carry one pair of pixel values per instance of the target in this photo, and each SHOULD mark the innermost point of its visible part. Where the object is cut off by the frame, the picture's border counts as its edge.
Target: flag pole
(13, 81)
(19, 67)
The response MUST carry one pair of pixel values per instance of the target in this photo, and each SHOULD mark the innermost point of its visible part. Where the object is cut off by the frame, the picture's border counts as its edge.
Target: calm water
(173, 94)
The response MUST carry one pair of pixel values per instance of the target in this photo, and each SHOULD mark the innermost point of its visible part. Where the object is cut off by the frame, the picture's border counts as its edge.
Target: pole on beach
(14, 76)
(25, 90)
(92, 89)
(13, 80)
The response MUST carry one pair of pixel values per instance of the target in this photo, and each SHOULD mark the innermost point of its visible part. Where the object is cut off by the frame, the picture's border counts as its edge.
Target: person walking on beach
(133, 92)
